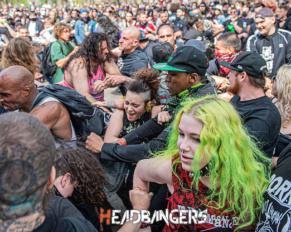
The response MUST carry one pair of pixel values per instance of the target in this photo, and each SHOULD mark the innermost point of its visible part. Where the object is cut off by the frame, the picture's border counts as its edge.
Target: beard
(235, 88)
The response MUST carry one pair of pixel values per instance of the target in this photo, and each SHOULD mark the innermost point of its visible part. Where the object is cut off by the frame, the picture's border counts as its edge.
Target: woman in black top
(139, 97)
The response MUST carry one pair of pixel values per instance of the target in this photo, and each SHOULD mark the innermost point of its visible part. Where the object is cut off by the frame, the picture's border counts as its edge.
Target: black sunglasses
(273, 78)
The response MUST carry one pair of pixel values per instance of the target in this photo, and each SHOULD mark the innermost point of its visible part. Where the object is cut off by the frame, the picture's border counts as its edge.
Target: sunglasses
(273, 78)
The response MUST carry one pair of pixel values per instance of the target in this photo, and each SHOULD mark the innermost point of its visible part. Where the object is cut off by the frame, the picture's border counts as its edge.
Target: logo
(176, 216)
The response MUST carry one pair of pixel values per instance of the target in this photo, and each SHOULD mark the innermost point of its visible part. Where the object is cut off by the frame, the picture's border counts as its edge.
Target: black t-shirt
(69, 224)
(262, 120)
(275, 213)
(128, 64)
(228, 23)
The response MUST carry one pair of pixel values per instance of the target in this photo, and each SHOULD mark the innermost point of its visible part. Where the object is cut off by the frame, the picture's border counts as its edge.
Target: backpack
(85, 117)
(48, 68)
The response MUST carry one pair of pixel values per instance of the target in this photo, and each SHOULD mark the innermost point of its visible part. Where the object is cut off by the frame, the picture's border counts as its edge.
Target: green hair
(236, 163)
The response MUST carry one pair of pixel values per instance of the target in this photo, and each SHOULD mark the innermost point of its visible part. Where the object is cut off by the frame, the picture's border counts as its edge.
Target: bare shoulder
(76, 64)
(48, 112)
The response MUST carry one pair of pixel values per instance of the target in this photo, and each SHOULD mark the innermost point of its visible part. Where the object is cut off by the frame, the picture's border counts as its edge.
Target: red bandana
(224, 57)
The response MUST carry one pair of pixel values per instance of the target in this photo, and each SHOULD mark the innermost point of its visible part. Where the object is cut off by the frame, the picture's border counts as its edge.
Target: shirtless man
(17, 92)
(94, 57)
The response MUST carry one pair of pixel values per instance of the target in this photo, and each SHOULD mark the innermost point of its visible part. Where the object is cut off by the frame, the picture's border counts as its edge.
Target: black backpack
(48, 68)
(85, 117)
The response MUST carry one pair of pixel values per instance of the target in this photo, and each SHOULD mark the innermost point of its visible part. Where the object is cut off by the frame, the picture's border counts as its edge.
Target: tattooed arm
(114, 104)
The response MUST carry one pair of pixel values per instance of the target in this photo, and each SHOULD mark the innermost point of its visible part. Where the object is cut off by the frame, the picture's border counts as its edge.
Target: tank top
(129, 126)
(184, 199)
(99, 96)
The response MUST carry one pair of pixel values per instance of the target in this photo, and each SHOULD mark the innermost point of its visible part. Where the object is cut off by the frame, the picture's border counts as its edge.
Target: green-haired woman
(211, 166)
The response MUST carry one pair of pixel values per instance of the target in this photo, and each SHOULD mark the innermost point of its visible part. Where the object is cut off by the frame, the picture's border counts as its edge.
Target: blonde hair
(19, 51)
(283, 83)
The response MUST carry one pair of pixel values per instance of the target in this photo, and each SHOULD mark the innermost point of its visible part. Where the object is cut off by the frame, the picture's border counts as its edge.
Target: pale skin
(77, 75)
(159, 170)
(135, 107)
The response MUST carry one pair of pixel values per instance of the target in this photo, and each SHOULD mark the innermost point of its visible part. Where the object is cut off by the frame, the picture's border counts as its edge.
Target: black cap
(193, 34)
(250, 62)
(161, 52)
(187, 59)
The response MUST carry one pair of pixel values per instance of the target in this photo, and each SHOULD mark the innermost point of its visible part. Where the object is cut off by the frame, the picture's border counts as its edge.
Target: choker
(203, 172)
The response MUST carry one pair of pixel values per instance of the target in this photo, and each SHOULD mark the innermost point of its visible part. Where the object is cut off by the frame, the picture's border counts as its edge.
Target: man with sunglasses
(271, 43)
(235, 24)
(261, 117)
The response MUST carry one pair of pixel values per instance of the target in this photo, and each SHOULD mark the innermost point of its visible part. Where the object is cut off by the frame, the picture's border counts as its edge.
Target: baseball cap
(202, 4)
(264, 13)
(84, 11)
(186, 59)
(197, 43)
(218, 7)
(161, 51)
(250, 62)
(193, 34)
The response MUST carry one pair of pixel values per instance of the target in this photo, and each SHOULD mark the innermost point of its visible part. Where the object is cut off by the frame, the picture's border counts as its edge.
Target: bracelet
(144, 225)
(122, 141)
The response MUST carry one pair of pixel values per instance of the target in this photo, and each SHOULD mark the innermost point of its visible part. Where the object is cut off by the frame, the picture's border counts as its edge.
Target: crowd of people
(201, 118)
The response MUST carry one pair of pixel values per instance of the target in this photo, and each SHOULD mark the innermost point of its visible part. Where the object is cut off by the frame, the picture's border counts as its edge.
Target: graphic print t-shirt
(276, 211)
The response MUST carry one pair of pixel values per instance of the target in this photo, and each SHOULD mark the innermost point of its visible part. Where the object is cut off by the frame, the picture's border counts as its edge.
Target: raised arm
(114, 128)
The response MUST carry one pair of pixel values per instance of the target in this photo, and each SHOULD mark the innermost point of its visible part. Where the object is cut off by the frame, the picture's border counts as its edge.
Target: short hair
(164, 25)
(230, 39)
(142, 12)
(284, 7)
(23, 27)
(259, 82)
(59, 27)
(27, 152)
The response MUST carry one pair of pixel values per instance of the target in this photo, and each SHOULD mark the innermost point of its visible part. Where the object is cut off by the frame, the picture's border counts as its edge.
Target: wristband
(144, 225)
(123, 143)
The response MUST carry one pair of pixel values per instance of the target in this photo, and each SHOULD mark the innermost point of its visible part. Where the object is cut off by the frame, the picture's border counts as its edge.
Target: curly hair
(110, 30)
(89, 50)
(146, 83)
(283, 84)
(59, 27)
(19, 51)
(236, 163)
(85, 169)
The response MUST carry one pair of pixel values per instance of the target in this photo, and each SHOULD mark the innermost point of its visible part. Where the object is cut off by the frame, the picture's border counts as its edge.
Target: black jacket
(275, 49)
(150, 131)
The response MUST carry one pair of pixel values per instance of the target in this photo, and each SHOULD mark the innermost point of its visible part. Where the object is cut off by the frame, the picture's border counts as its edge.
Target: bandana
(224, 57)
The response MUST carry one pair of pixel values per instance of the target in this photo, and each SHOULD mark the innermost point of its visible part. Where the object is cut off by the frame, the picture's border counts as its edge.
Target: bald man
(131, 59)
(17, 92)
(166, 34)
